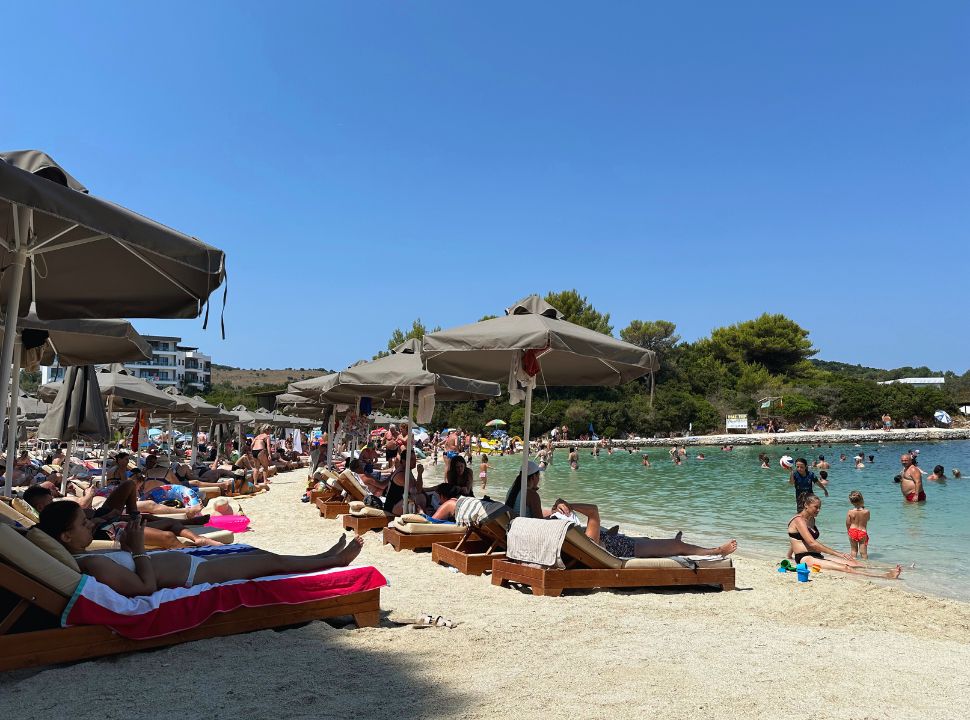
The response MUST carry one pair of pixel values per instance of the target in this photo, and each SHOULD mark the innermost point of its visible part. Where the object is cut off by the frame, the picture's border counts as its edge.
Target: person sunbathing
(159, 531)
(612, 540)
(178, 474)
(133, 572)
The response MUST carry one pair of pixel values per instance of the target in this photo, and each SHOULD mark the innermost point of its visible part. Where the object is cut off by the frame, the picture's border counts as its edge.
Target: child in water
(856, 522)
(483, 471)
(573, 459)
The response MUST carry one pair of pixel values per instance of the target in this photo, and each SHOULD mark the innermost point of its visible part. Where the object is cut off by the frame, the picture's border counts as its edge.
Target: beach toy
(232, 523)
(803, 572)
(816, 568)
(786, 565)
(786, 462)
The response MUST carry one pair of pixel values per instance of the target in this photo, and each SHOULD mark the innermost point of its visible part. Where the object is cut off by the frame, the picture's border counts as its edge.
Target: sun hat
(532, 469)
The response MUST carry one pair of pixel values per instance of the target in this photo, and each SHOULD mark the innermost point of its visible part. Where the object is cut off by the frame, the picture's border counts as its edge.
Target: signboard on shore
(737, 422)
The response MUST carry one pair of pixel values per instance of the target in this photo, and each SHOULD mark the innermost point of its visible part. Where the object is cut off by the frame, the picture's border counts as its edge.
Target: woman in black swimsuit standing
(804, 543)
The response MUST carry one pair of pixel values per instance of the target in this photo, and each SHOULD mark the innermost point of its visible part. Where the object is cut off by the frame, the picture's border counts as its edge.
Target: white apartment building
(171, 364)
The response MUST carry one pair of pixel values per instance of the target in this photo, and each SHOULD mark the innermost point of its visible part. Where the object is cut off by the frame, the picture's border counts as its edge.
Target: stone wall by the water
(790, 438)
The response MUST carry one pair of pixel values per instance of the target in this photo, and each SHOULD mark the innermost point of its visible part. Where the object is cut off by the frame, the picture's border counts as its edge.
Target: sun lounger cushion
(670, 562)
(353, 487)
(11, 516)
(32, 561)
(53, 548)
(356, 505)
(413, 518)
(368, 512)
(426, 528)
(578, 539)
(25, 509)
(213, 533)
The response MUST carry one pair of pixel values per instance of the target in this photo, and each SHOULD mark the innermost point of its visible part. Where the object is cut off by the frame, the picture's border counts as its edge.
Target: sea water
(727, 495)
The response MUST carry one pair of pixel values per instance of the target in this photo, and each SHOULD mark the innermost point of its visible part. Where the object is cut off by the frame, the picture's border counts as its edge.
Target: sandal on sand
(433, 621)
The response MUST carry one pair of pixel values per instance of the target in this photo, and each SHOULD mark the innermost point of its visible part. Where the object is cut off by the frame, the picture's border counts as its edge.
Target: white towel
(537, 541)
(471, 511)
(425, 405)
(519, 380)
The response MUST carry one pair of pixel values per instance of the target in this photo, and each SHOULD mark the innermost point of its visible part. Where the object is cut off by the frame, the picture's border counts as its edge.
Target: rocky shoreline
(790, 438)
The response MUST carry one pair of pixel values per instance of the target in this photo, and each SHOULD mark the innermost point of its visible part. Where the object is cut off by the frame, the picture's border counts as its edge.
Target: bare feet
(613, 530)
(337, 546)
(679, 535)
(191, 512)
(347, 555)
(727, 548)
(203, 541)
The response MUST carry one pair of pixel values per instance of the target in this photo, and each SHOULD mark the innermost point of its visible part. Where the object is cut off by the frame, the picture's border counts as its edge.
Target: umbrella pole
(330, 438)
(195, 442)
(16, 271)
(12, 425)
(407, 456)
(526, 428)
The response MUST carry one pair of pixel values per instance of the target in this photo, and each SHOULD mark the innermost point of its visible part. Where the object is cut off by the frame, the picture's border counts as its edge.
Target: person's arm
(534, 504)
(919, 482)
(812, 544)
(848, 520)
(821, 485)
(122, 580)
(791, 479)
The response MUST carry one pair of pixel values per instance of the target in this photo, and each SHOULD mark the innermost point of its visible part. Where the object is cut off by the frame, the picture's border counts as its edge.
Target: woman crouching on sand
(132, 572)
(806, 547)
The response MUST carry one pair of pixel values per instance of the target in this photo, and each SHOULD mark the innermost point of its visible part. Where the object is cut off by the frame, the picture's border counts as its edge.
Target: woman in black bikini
(806, 547)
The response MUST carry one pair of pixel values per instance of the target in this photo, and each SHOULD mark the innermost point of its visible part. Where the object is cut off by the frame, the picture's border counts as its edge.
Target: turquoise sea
(728, 495)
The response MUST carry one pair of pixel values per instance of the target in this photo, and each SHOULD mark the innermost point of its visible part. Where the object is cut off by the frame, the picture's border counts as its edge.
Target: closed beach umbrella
(533, 341)
(77, 410)
(57, 241)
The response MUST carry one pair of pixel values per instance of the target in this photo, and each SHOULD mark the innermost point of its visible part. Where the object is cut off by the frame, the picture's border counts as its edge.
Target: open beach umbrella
(533, 341)
(495, 423)
(943, 417)
(57, 241)
(387, 376)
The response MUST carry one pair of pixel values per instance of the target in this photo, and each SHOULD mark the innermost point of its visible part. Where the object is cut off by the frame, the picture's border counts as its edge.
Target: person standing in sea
(911, 480)
(804, 480)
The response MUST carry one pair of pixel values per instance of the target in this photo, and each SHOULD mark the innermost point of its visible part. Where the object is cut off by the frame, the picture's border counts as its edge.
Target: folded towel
(537, 541)
(471, 511)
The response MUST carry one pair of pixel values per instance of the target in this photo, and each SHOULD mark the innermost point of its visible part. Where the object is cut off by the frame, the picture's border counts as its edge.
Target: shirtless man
(823, 464)
(887, 422)
(451, 448)
(911, 480)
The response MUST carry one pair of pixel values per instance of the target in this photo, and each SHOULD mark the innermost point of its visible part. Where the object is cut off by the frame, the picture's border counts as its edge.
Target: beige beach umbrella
(54, 236)
(532, 341)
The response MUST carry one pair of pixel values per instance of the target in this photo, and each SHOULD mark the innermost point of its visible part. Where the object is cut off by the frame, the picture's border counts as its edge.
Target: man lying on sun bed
(133, 572)
(622, 546)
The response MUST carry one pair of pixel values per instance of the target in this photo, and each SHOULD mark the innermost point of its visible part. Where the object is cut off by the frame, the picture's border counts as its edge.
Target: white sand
(835, 648)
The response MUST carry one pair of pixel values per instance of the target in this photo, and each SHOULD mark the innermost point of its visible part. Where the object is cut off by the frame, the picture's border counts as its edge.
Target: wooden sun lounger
(330, 509)
(30, 634)
(423, 541)
(364, 524)
(476, 551)
(589, 566)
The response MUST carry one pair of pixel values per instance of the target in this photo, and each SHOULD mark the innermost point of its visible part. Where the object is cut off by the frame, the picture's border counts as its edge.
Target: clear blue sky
(366, 163)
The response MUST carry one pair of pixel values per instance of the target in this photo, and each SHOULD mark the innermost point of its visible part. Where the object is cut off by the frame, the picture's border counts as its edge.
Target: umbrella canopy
(128, 392)
(570, 354)
(195, 408)
(495, 423)
(533, 341)
(61, 234)
(78, 410)
(384, 377)
(943, 417)
(79, 342)
(32, 408)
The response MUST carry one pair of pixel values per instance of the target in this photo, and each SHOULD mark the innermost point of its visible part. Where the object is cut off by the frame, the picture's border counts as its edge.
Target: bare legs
(251, 565)
(855, 569)
(650, 548)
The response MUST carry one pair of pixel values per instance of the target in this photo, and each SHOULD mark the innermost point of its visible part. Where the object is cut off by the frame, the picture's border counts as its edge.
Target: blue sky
(367, 163)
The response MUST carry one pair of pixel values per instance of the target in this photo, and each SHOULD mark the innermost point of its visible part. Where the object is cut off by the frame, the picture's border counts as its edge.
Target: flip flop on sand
(426, 621)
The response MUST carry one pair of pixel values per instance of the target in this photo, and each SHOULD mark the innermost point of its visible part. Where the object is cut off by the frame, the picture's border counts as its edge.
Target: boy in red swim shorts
(856, 523)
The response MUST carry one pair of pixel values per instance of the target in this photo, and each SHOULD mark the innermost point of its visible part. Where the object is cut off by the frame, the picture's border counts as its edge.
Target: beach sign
(737, 422)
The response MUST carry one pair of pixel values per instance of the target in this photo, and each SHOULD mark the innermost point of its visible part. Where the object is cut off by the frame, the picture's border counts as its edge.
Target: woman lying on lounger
(613, 541)
(131, 571)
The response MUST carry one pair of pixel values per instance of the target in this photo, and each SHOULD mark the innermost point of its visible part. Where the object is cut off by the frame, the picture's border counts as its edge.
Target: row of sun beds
(480, 547)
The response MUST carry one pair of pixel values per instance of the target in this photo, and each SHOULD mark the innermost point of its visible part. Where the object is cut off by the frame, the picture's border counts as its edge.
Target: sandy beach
(837, 647)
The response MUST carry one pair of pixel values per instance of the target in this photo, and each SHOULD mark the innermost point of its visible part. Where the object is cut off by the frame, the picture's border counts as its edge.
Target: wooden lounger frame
(467, 556)
(585, 571)
(417, 541)
(59, 645)
(361, 524)
(330, 509)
